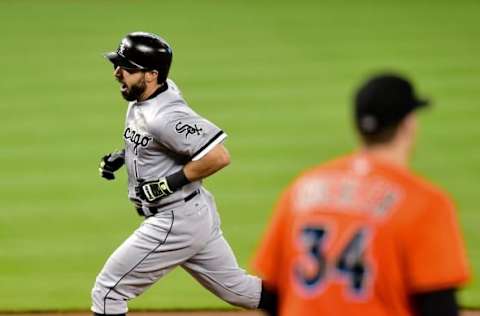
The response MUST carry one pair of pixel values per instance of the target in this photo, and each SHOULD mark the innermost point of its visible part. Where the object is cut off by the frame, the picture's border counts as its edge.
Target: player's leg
(216, 268)
(161, 243)
(126, 273)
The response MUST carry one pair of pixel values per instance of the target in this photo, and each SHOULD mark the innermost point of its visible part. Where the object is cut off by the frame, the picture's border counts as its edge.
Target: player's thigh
(147, 255)
(216, 268)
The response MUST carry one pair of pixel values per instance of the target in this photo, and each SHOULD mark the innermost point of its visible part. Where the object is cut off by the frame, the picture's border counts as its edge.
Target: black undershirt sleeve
(436, 303)
(268, 301)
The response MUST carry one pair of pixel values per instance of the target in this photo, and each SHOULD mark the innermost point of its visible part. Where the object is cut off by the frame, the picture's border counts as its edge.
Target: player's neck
(390, 153)
(149, 90)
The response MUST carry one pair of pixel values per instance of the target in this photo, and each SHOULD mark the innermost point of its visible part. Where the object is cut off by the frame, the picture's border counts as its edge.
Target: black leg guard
(268, 301)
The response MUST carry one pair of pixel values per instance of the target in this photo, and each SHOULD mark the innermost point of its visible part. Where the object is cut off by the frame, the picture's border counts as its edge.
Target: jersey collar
(162, 88)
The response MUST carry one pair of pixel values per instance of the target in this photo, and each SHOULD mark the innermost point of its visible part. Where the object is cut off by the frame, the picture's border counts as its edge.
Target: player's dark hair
(381, 137)
(160, 79)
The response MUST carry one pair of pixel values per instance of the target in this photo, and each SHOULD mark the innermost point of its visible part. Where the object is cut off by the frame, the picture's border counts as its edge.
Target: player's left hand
(152, 191)
(111, 163)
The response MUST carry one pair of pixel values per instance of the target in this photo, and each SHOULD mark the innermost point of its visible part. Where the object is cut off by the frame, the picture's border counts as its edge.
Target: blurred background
(278, 76)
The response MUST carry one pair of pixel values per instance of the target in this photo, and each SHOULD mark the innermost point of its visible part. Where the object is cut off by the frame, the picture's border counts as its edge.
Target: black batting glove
(152, 191)
(111, 163)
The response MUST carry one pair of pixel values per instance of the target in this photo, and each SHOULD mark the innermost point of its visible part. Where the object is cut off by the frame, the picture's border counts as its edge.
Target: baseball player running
(168, 150)
(363, 235)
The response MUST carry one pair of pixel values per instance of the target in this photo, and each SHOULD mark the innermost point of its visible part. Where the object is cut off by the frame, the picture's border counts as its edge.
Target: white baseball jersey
(161, 135)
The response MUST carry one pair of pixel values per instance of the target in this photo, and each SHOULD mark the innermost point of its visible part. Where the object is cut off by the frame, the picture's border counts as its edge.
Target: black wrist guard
(177, 180)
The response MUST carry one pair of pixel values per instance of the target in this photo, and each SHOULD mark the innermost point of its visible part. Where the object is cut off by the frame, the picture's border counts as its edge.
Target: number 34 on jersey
(325, 259)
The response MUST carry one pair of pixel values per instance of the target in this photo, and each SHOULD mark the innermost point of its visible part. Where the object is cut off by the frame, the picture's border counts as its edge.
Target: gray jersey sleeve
(186, 133)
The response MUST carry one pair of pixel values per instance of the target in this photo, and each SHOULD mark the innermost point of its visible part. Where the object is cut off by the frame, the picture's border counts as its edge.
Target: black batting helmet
(143, 51)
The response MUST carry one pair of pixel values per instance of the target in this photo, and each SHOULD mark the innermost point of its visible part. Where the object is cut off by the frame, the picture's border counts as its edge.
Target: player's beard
(135, 91)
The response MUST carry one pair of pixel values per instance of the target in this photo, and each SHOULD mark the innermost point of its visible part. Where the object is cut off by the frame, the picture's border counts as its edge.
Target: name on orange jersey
(342, 192)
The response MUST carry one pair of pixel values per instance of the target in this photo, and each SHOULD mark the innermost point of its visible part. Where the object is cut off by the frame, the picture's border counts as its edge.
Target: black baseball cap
(383, 101)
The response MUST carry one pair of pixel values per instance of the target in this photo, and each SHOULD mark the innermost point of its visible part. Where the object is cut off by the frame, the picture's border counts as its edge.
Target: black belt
(155, 210)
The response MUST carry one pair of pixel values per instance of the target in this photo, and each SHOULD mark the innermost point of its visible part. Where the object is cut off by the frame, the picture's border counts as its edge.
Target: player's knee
(244, 292)
(239, 301)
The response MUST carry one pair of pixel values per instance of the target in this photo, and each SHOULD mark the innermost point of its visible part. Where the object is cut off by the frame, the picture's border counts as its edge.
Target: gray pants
(186, 235)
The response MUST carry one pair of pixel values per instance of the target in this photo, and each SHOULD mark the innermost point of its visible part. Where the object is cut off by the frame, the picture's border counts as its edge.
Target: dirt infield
(184, 313)
(159, 313)
(192, 313)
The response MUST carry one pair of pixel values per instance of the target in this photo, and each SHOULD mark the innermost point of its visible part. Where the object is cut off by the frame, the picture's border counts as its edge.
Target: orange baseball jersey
(357, 236)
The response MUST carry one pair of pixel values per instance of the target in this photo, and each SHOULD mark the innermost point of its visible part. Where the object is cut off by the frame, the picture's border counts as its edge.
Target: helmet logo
(121, 48)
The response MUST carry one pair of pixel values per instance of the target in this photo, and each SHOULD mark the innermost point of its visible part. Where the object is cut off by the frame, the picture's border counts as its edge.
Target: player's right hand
(152, 191)
(111, 163)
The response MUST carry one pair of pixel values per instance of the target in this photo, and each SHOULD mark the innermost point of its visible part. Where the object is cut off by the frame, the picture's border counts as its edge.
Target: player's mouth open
(123, 87)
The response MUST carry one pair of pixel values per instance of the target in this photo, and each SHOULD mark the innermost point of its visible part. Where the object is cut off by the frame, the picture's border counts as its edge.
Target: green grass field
(276, 75)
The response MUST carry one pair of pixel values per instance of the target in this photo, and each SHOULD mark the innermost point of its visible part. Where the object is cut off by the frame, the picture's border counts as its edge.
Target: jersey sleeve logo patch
(187, 129)
(136, 138)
